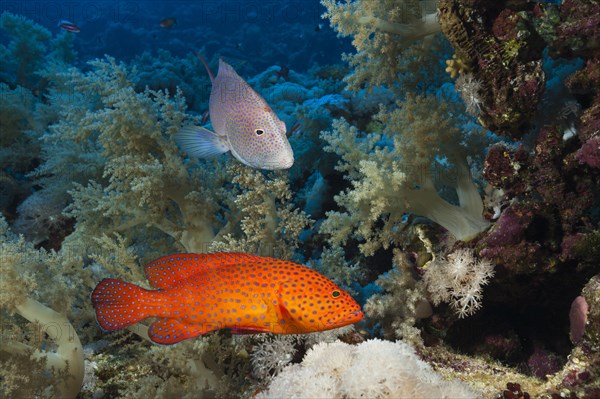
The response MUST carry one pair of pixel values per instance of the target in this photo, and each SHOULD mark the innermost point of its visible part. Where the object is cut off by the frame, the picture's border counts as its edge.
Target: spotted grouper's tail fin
(119, 304)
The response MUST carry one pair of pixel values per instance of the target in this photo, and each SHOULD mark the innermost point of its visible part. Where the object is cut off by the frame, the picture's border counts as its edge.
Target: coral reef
(144, 178)
(555, 192)
(500, 48)
(391, 180)
(131, 193)
(492, 297)
(402, 303)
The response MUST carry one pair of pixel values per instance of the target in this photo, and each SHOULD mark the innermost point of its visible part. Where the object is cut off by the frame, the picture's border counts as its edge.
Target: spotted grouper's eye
(335, 293)
(259, 132)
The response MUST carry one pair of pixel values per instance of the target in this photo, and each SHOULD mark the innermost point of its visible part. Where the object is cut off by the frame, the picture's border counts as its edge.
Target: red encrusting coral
(552, 196)
(500, 47)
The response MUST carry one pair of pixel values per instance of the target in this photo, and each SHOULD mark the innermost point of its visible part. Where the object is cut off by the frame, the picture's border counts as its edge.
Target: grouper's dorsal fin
(210, 74)
(168, 271)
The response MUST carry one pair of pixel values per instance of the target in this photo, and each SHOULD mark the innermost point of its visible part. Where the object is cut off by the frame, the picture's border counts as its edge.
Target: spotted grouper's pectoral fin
(171, 331)
(199, 142)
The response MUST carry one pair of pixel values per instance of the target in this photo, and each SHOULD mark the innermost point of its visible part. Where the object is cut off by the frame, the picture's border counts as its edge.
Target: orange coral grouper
(199, 293)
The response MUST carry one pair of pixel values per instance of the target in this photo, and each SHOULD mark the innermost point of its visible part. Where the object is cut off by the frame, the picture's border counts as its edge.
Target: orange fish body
(200, 293)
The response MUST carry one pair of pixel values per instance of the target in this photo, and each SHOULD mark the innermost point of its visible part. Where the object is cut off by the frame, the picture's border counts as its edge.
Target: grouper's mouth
(350, 318)
(283, 160)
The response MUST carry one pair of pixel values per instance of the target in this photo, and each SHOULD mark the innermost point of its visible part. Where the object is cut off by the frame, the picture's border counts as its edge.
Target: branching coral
(164, 71)
(272, 354)
(207, 367)
(24, 114)
(389, 181)
(334, 265)
(381, 30)
(16, 114)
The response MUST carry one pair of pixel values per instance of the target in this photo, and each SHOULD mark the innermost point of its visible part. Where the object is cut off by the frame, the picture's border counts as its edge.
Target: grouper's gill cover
(199, 293)
(243, 123)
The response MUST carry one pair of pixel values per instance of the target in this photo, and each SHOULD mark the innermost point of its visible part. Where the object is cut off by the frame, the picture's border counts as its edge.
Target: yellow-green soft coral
(381, 30)
(396, 173)
(147, 189)
(398, 309)
(145, 180)
(25, 52)
(18, 115)
(263, 220)
(43, 357)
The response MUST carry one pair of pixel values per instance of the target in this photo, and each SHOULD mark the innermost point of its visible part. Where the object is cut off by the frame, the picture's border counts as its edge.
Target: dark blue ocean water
(262, 33)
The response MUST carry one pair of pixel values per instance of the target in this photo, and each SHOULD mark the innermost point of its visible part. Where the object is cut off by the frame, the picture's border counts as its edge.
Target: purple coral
(589, 153)
(578, 32)
(551, 195)
(510, 227)
(543, 362)
(578, 318)
(508, 243)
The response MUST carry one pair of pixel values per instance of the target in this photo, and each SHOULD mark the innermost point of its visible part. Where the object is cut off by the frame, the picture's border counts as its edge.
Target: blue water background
(261, 33)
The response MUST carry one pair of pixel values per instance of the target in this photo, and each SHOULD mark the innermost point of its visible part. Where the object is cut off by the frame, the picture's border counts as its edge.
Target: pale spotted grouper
(243, 123)
(200, 293)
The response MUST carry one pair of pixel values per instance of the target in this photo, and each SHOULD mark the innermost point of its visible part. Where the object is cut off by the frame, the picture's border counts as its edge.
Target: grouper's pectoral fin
(170, 331)
(259, 319)
(249, 330)
(200, 142)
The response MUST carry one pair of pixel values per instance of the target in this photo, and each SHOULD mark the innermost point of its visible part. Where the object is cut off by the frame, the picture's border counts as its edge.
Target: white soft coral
(458, 279)
(373, 369)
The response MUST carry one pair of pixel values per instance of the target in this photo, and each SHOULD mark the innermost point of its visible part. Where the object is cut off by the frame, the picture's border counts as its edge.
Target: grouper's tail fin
(119, 304)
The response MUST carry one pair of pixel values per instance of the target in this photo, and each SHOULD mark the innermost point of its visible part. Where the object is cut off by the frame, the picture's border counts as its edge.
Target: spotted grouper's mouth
(357, 316)
(350, 318)
(275, 163)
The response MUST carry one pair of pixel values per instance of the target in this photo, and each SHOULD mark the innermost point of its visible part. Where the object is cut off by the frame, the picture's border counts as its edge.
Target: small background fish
(168, 23)
(200, 293)
(243, 123)
(68, 26)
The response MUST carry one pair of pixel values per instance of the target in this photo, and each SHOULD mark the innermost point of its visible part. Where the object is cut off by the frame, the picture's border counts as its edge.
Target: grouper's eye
(335, 293)
(259, 132)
